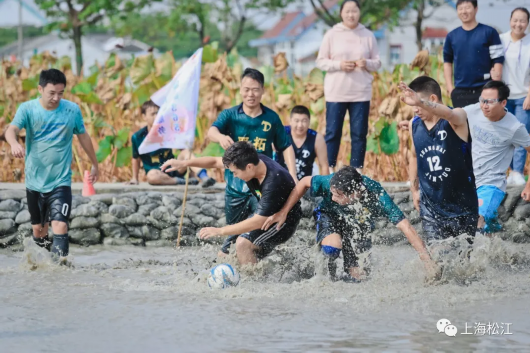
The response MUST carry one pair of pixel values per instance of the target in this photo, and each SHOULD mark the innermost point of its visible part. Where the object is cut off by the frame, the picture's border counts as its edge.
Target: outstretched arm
(457, 116)
(202, 162)
(248, 225)
(86, 144)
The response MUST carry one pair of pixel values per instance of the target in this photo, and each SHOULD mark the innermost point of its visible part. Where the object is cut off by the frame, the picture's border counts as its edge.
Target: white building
(31, 14)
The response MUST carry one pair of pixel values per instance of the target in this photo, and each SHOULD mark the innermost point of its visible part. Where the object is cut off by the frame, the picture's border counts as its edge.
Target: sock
(60, 244)
(43, 242)
(203, 174)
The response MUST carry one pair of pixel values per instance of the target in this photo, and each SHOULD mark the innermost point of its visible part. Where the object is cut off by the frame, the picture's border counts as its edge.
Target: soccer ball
(223, 276)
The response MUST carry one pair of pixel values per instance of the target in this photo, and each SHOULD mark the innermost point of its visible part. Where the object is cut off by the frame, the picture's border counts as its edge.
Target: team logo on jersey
(443, 135)
(305, 153)
(435, 171)
(266, 126)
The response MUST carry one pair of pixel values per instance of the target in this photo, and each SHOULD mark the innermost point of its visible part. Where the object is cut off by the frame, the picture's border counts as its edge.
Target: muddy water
(156, 300)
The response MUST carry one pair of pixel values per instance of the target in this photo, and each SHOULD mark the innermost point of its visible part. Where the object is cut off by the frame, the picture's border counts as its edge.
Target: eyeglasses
(488, 101)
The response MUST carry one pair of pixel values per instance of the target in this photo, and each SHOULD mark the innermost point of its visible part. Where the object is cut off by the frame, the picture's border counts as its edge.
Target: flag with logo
(174, 126)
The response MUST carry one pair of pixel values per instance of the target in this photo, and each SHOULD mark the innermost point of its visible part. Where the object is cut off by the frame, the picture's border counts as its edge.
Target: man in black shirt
(269, 182)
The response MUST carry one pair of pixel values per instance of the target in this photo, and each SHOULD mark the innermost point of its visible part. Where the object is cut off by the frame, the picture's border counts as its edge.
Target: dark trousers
(335, 113)
(463, 97)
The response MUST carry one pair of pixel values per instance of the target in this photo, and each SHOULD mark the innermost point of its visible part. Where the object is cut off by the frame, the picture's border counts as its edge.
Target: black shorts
(438, 228)
(267, 240)
(355, 238)
(50, 206)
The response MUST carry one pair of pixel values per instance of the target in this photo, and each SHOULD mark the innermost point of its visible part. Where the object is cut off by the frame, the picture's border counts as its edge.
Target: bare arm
(448, 75)
(290, 161)
(525, 195)
(11, 137)
(248, 225)
(86, 144)
(413, 175)
(216, 136)
(322, 154)
(497, 72)
(202, 162)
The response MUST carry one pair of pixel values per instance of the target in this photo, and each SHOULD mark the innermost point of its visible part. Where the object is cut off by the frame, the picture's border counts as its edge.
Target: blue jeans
(335, 113)
(515, 106)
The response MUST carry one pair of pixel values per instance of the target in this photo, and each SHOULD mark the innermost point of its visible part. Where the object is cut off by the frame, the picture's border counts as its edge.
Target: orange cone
(88, 187)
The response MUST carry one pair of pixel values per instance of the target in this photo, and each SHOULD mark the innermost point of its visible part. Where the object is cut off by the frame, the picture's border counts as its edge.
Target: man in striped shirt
(474, 53)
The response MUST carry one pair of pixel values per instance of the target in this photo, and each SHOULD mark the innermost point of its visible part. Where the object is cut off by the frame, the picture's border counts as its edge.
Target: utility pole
(20, 32)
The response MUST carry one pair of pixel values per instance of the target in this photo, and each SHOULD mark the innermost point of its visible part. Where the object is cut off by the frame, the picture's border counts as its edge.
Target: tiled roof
(281, 25)
(430, 32)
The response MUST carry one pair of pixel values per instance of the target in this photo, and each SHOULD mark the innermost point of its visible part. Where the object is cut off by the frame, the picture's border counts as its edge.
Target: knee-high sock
(43, 242)
(60, 244)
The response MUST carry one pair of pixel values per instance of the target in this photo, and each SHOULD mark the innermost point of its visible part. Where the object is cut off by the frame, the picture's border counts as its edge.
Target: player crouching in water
(345, 217)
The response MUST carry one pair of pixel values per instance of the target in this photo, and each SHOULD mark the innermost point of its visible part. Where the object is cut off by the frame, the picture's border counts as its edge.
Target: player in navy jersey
(441, 167)
(307, 143)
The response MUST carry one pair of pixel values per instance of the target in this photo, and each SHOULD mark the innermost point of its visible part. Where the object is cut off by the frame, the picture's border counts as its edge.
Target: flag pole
(188, 171)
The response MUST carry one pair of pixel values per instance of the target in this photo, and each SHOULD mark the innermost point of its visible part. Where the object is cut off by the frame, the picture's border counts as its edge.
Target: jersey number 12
(434, 163)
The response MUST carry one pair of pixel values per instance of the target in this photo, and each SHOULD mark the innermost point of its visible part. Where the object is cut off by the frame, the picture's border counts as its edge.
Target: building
(95, 47)
(31, 15)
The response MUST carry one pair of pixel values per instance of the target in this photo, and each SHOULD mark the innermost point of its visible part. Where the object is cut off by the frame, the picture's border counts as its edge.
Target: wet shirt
(49, 136)
(377, 204)
(275, 189)
(152, 160)
(262, 131)
(305, 155)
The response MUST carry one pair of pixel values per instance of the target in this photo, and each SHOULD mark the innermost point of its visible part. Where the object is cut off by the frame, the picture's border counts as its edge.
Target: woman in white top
(516, 74)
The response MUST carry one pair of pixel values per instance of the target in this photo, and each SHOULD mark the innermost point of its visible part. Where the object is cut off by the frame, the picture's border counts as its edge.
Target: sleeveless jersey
(305, 155)
(445, 170)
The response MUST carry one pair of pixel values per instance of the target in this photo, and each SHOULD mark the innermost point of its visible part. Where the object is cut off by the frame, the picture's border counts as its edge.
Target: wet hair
(502, 89)
(346, 1)
(240, 154)
(300, 109)
(522, 9)
(347, 180)
(473, 2)
(426, 85)
(147, 105)
(254, 74)
(53, 76)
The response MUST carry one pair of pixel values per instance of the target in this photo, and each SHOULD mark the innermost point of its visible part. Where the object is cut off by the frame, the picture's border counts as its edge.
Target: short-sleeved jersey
(262, 131)
(377, 204)
(49, 135)
(151, 160)
(275, 189)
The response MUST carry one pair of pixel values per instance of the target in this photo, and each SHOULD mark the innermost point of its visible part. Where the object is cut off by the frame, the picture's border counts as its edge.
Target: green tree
(424, 10)
(71, 17)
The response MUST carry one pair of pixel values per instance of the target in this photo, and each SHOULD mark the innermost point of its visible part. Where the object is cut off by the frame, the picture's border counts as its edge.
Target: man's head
(467, 10)
(52, 83)
(299, 120)
(242, 159)
(347, 186)
(429, 90)
(149, 111)
(493, 99)
(252, 82)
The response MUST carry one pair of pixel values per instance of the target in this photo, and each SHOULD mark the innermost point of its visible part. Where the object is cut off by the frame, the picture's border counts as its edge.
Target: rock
(158, 243)
(221, 222)
(116, 242)
(84, 222)
(155, 195)
(190, 240)
(144, 200)
(7, 215)
(414, 217)
(163, 214)
(7, 226)
(135, 219)
(25, 226)
(407, 207)
(199, 202)
(120, 211)
(513, 195)
(135, 232)
(521, 238)
(146, 209)
(90, 236)
(9, 240)
(125, 201)
(203, 221)
(190, 210)
(108, 218)
(145, 232)
(219, 204)
(522, 212)
(171, 203)
(137, 241)
(10, 206)
(158, 224)
(101, 206)
(133, 194)
(212, 211)
(503, 215)
(113, 230)
(12, 194)
(171, 233)
(105, 198)
(79, 200)
(23, 217)
(85, 210)
(24, 201)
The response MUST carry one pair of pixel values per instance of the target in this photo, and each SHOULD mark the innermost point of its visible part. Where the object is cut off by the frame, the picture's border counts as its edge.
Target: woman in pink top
(348, 54)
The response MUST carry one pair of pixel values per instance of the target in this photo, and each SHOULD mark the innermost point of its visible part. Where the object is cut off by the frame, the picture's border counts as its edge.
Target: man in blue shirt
(475, 52)
(50, 124)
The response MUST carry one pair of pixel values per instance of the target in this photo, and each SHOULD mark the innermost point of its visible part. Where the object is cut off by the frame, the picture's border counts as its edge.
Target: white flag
(174, 126)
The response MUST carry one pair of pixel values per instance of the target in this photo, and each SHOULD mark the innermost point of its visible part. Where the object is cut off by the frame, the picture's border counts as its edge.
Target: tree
(71, 17)
(421, 15)
(373, 12)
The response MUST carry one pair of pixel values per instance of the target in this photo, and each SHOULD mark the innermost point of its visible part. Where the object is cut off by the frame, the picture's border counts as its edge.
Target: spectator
(516, 73)
(471, 50)
(349, 54)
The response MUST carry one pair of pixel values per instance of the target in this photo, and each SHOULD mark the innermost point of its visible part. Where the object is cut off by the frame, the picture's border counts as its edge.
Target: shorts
(50, 206)
(267, 240)
(439, 228)
(359, 236)
(489, 200)
(237, 209)
(173, 174)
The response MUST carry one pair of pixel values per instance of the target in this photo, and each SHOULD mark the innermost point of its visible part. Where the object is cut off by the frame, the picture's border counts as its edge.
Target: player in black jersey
(441, 167)
(307, 143)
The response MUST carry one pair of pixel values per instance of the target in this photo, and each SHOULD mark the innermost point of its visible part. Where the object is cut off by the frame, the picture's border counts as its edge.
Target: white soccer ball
(223, 276)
